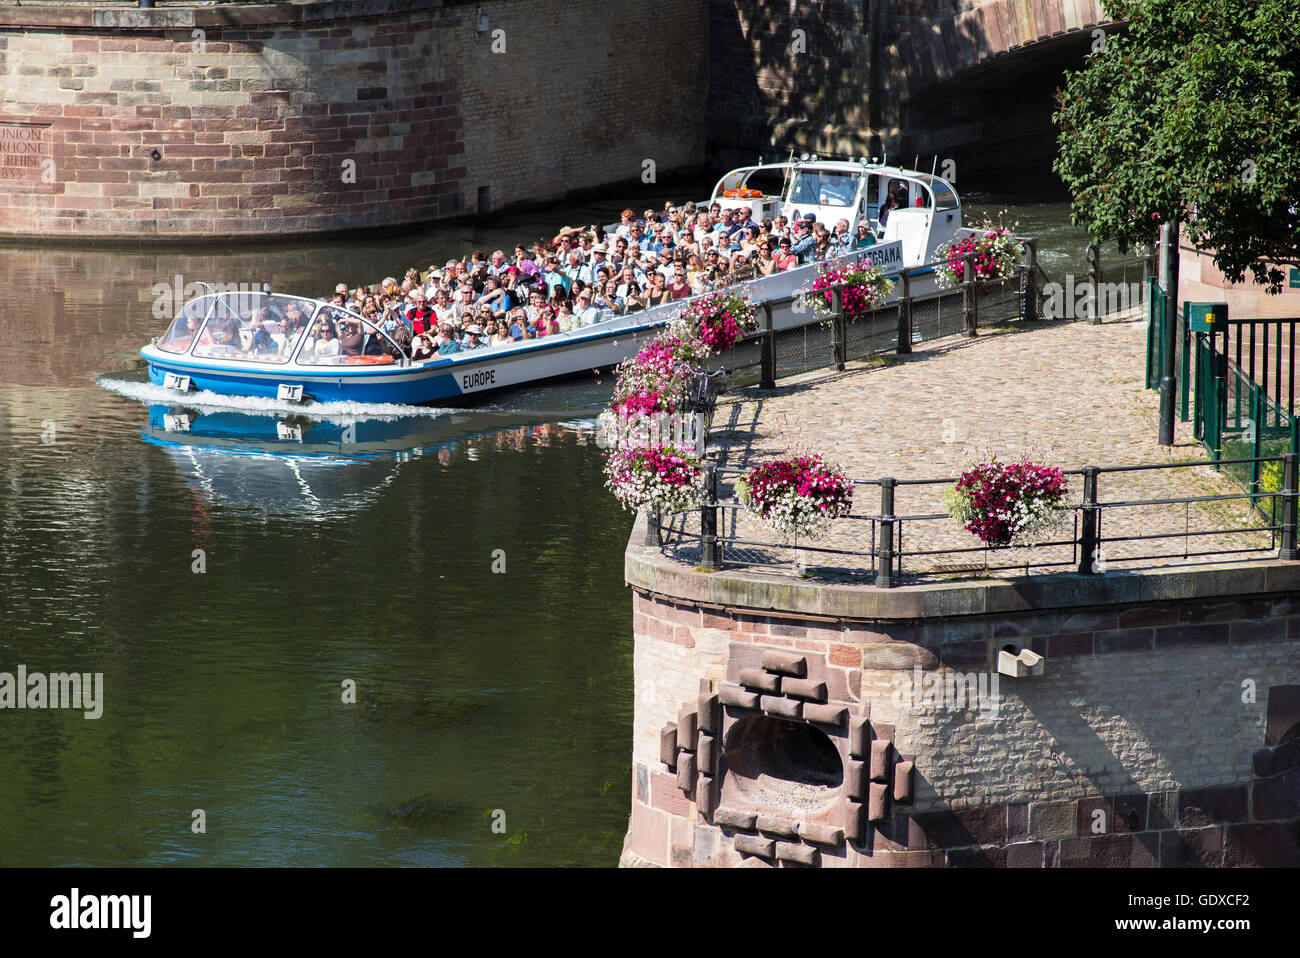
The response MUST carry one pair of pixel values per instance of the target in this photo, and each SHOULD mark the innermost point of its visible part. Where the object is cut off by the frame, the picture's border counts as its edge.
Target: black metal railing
(887, 547)
(769, 354)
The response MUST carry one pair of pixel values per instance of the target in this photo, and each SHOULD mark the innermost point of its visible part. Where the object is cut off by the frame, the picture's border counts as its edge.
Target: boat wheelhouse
(924, 214)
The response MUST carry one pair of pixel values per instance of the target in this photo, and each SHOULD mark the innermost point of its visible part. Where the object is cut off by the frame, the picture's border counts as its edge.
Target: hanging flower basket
(655, 379)
(1008, 503)
(660, 477)
(715, 321)
(798, 495)
(863, 288)
(994, 249)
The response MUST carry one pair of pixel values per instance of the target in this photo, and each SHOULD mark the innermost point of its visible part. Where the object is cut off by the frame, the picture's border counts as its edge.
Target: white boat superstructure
(921, 211)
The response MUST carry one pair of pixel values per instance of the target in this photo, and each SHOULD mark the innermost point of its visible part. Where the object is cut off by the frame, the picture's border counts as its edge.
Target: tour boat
(234, 342)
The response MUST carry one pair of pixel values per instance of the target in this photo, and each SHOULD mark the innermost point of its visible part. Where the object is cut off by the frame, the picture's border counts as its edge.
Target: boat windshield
(824, 188)
(342, 338)
(241, 326)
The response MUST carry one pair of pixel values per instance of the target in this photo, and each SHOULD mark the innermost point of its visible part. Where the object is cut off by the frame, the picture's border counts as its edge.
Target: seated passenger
(327, 341)
(449, 345)
(259, 340)
(421, 348)
(351, 338)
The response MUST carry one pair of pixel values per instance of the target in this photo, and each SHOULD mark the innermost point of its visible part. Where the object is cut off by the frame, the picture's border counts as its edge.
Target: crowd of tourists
(583, 275)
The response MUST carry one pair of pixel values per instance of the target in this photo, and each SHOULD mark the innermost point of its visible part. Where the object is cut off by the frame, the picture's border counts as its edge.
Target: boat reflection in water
(328, 459)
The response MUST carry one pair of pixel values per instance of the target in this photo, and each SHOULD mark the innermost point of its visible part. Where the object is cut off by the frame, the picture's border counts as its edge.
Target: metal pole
(1094, 262)
(767, 366)
(1029, 308)
(1088, 530)
(968, 293)
(905, 314)
(839, 334)
(885, 572)
(1288, 551)
(1167, 341)
(709, 518)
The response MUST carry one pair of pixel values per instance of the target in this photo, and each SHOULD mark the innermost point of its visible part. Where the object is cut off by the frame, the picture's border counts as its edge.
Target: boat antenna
(935, 165)
(916, 161)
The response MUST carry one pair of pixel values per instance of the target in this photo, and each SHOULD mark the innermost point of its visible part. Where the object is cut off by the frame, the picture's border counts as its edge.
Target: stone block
(1263, 846)
(904, 772)
(796, 853)
(686, 728)
(1192, 848)
(785, 663)
(707, 712)
(668, 745)
(855, 821)
(706, 794)
(878, 802)
(1052, 819)
(819, 834)
(786, 708)
(825, 714)
(804, 689)
(686, 771)
(855, 779)
(760, 680)
(1278, 797)
(859, 737)
(1025, 855)
(755, 845)
(882, 759)
(1216, 805)
(706, 754)
(737, 697)
(734, 818)
(780, 825)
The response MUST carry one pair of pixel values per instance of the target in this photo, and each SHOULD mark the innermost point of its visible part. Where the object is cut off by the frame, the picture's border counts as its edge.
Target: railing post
(653, 534)
(839, 333)
(1094, 269)
(1029, 306)
(968, 295)
(905, 314)
(1088, 532)
(709, 518)
(1288, 551)
(885, 578)
(767, 364)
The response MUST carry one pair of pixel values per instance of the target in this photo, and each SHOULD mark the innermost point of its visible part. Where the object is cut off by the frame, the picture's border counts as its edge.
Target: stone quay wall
(1163, 731)
(281, 118)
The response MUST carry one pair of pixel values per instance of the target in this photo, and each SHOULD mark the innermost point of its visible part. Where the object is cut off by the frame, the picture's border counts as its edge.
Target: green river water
(482, 698)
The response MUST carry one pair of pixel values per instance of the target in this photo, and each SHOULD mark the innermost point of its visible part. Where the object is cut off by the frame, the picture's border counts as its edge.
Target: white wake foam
(148, 393)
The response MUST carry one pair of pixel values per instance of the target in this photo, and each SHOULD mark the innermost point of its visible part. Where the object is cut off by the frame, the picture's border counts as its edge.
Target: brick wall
(151, 129)
(1146, 742)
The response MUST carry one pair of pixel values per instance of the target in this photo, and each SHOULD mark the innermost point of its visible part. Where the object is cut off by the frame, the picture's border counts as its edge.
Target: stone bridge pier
(971, 81)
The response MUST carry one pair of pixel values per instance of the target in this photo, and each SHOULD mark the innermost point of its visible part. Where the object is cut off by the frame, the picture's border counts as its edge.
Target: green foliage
(1194, 113)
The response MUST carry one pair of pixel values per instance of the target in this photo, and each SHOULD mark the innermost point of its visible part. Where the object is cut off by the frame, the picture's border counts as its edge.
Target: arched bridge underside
(979, 88)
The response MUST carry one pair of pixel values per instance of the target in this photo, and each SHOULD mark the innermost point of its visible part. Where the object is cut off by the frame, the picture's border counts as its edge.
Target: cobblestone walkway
(1070, 394)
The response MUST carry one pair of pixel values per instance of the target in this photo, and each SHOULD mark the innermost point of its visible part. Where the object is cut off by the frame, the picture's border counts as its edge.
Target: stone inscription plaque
(24, 148)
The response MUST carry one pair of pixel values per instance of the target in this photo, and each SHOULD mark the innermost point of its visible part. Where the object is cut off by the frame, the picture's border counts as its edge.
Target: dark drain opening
(775, 760)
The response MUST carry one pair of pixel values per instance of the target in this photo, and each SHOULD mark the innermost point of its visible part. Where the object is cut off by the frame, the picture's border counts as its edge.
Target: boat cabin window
(251, 327)
(180, 335)
(824, 188)
(342, 338)
(767, 182)
(944, 197)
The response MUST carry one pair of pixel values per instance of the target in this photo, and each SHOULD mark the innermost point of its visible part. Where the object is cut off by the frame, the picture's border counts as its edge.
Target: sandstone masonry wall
(244, 127)
(1162, 732)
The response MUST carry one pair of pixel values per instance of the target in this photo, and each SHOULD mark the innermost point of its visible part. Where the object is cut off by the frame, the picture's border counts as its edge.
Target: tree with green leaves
(1192, 112)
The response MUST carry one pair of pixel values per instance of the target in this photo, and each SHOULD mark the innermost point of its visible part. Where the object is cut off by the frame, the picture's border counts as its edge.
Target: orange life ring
(367, 360)
(748, 194)
(731, 194)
